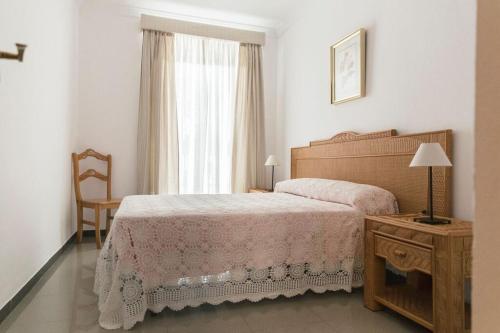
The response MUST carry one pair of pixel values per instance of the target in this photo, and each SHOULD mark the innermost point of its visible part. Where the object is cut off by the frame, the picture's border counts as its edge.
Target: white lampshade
(430, 155)
(271, 160)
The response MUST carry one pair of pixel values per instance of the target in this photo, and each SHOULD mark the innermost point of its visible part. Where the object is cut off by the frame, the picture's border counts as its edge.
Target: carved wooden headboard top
(381, 159)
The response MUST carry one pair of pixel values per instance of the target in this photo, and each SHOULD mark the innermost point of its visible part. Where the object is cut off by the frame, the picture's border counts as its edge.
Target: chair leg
(79, 223)
(98, 227)
(108, 220)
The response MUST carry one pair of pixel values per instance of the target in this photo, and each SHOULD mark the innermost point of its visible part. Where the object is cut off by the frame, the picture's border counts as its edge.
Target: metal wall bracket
(19, 56)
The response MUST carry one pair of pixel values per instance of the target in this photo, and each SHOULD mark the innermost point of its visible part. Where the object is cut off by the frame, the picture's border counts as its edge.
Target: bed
(177, 251)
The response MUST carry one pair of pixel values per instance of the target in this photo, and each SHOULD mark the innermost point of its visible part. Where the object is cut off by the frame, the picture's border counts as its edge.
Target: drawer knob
(400, 253)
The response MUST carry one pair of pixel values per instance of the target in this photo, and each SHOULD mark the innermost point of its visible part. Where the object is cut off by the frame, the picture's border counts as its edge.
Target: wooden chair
(96, 204)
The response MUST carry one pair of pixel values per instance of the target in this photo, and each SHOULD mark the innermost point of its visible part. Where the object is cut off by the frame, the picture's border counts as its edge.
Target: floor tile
(54, 327)
(63, 302)
(318, 327)
(206, 318)
(274, 314)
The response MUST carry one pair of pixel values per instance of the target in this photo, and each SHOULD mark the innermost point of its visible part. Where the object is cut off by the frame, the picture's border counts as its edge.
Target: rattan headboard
(381, 159)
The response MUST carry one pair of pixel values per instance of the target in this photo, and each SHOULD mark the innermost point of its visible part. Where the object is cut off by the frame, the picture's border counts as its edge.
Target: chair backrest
(78, 178)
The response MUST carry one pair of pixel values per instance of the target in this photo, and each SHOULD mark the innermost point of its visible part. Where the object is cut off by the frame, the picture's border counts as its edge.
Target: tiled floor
(63, 301)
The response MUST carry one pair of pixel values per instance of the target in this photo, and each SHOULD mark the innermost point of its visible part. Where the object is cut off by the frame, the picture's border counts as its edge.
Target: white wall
(420, 77)
(37, 126)
(110, 65)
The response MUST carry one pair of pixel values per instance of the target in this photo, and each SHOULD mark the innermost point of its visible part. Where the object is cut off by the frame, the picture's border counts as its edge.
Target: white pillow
(371, 200)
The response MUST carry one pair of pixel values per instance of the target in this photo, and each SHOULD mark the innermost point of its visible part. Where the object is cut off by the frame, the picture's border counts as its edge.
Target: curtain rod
(149, 22)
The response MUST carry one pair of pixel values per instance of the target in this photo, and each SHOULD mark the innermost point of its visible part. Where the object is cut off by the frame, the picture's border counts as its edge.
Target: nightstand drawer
(404, 256)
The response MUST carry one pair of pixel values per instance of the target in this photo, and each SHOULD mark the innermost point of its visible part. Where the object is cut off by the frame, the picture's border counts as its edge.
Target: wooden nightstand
(258, 190)
(437, 261)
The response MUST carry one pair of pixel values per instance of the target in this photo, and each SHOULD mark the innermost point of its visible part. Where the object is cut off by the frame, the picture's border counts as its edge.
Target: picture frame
(348, 68)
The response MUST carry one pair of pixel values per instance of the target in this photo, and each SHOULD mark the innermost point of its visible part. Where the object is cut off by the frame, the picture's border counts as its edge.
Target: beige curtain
(157, 142)
(248, 142)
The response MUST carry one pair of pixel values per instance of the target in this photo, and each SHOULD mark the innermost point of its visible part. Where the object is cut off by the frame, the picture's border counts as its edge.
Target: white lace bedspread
(177, 251)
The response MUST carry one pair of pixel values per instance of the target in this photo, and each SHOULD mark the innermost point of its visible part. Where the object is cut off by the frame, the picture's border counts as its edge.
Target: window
(205, 78)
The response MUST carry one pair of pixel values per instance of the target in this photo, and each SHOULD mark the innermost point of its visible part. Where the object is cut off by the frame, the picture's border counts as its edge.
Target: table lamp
(272, 161)
(430, 155)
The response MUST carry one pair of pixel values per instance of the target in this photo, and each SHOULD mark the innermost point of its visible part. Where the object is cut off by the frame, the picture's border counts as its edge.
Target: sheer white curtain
(205, 81)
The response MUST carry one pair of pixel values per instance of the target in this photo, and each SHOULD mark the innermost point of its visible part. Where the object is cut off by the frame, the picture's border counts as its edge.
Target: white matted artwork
(347, 70)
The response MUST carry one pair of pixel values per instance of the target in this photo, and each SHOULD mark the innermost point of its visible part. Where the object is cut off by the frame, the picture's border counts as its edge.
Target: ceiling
(270, 16)
(277, 10)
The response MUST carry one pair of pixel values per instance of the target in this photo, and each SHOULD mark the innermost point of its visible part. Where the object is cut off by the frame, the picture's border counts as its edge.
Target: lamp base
(429, 220)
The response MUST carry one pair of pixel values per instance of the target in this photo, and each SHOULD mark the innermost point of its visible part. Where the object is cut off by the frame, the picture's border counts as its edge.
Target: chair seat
(103, 203)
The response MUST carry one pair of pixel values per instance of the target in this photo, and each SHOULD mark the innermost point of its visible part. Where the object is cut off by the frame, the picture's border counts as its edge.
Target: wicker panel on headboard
(381, 159)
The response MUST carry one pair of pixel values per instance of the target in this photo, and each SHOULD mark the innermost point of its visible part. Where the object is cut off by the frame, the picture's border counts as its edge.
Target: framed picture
(347, 61)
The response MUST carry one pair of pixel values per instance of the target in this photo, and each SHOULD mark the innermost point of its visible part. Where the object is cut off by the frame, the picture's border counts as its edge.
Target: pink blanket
(159, 245)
